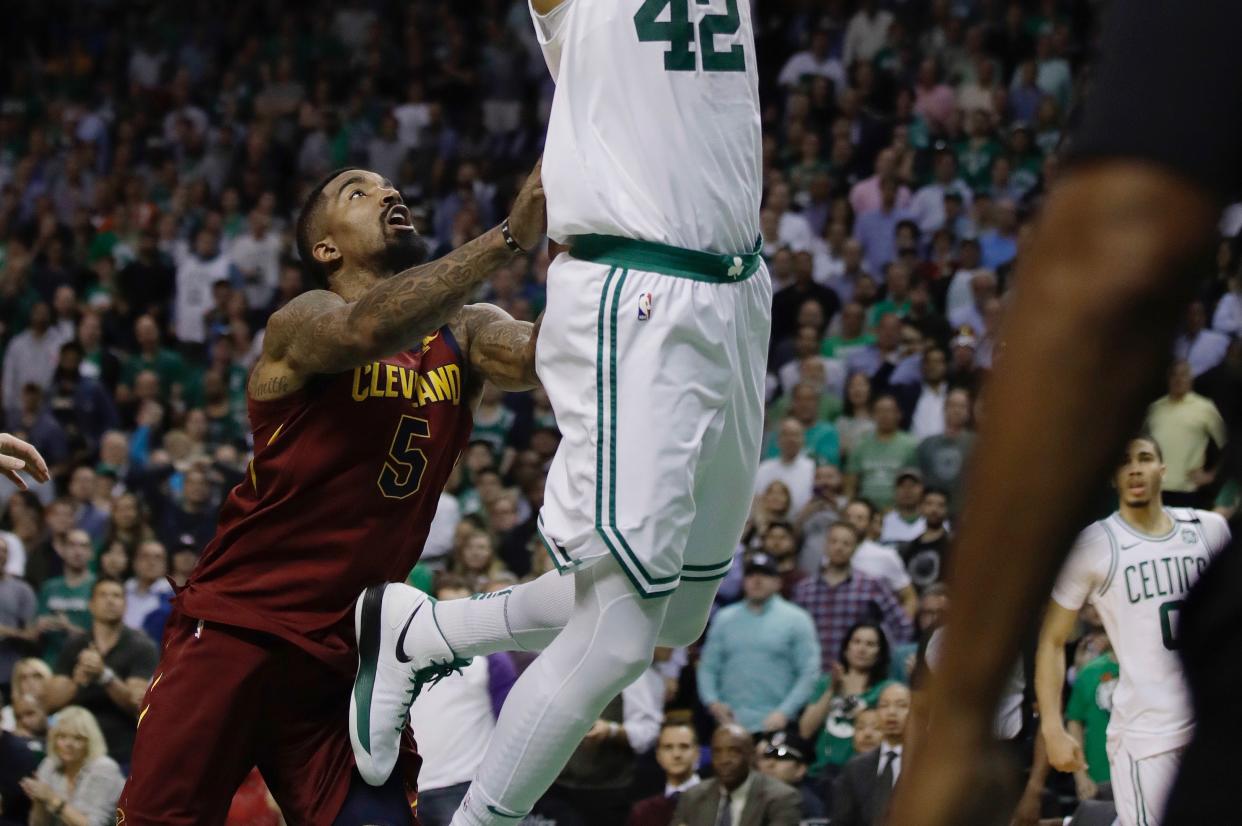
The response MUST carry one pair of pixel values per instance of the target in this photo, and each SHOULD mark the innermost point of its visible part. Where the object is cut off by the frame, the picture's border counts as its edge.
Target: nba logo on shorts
(644, 306)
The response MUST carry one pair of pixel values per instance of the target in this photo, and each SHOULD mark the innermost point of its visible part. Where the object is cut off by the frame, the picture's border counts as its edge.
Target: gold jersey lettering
(390, 388)
(360, 389)
(425, 393)
(443, 386)
(407, 383)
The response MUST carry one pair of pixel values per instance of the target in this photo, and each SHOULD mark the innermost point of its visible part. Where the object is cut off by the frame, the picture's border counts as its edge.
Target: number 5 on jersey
(678, 32)
(402, 474)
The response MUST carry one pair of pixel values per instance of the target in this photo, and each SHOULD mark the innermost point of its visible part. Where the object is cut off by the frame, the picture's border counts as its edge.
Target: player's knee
(682, 631)
(625, 661)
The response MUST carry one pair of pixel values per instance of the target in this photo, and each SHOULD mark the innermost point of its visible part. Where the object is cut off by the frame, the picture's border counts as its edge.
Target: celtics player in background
(652, 352)
(1136, 567)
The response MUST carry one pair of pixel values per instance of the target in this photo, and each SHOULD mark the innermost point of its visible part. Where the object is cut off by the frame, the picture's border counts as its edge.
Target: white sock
(606, 644)
(525, 617)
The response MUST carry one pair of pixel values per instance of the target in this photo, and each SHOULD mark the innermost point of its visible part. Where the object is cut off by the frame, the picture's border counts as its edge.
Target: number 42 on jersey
(679, 33)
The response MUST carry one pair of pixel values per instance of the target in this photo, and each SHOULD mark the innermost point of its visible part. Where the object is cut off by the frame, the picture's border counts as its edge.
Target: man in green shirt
(64, 600)
(871, 471)
(1090, 707)
(151, 356)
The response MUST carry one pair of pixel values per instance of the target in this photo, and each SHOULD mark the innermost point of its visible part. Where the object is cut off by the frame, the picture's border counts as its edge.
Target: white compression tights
(606, 643)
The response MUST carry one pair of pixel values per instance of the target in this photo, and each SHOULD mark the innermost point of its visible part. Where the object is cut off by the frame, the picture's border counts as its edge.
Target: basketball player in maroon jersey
(360, 404)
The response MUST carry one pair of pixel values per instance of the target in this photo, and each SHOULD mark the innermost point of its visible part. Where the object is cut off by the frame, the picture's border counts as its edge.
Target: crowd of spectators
(152, 159)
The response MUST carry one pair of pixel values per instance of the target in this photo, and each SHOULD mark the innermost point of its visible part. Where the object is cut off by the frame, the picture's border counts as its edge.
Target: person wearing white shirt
(1228, 316)
(197, 272)
(866, 32)
(815, 62)
(904, 523)
(1201, 347)
(927, 205)
(794, 470)
(31, 356)
(143, 589)
(443, 527)
(879, 561)
(257, 256)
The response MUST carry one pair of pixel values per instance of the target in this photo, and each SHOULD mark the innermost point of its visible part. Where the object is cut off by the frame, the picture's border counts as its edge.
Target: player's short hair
(308, 220)
(1144, 436)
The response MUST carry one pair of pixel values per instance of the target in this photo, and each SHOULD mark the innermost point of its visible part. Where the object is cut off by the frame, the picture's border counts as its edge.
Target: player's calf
(400, 652)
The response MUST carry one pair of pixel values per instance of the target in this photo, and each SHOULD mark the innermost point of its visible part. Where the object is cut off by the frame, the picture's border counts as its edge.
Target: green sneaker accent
(426, 678)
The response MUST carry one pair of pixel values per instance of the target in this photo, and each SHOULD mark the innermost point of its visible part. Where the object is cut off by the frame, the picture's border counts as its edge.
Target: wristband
(107, 676)
(510, 242)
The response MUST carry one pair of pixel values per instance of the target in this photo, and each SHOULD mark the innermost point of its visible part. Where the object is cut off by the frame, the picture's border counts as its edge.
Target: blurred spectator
(30, 679)
(876, 560)
(31, 357)
(82, 405)
(860, 795)
(33, 422)
(904, 522)
(850, 685)
(86, 515)
(777, 757)
(790, 467)
(106, 671)
(815, 61)
(1202, 348)
(868, 194)
(77, 783)
(736, 794)
(761, 655)
(871, 470)
(454, 721)
(878, 359)
(841, 597)
(151, 356)
(18, 605)
(820, 436)
(813, 521)
(677, 753)
(1184, 425)
(147, 283)
(64, 601)
(143, 589)
(256, 255)
(942, 458)
(21, 751)
(788, 302)
(925, 556)
(198, 270)
(855, 422)
(876, 228)
(924, 403)
(1228, 316)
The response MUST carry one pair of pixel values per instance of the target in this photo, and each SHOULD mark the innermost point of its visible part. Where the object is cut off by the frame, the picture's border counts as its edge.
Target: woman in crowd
(855, 683)
(77, 784)
(476, 561)
(30, 677)
(771, 505)
(128, 525)
(855, 420)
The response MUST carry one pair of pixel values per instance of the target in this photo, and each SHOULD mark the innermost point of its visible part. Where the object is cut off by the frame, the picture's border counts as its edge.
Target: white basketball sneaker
(391, 620)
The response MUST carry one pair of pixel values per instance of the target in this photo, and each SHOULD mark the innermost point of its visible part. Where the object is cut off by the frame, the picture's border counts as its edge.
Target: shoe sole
(367, 622)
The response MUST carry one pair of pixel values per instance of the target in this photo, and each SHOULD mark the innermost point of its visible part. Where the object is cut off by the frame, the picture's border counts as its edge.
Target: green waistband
(681, 263)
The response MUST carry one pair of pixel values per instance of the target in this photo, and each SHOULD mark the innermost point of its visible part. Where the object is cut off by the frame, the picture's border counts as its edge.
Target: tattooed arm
(500, 349)
(319, 332)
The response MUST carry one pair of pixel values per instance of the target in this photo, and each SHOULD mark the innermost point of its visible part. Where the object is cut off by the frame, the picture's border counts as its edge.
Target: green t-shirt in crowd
(882, 308)
(56, 596)
(822, 444)
(841, 347)
(1091, 703)
(835, 743)
(166, 364)
(877, 461)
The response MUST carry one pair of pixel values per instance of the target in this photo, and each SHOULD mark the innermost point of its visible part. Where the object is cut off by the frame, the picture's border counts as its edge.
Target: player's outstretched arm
(320, 332)
(1064, 752)
(501, 349)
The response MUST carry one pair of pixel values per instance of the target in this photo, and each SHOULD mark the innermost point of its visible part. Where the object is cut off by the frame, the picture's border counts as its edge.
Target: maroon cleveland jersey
(346, 476)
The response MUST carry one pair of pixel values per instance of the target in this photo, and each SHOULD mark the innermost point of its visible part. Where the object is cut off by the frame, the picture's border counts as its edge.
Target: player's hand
(1084, 786)
(18, 456)
(721, 712)
(1064, 752)
(776, 721)
(529, 217)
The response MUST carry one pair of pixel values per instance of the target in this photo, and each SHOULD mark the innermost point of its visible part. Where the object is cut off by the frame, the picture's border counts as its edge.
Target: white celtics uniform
(1139, 583)
(654, 341)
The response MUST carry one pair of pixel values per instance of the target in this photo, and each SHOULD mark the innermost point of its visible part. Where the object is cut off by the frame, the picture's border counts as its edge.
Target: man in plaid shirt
(841, 597)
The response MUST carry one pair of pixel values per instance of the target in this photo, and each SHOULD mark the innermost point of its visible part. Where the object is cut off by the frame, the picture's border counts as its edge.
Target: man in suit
(677, 752)
(737, 796)
(861, 793)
